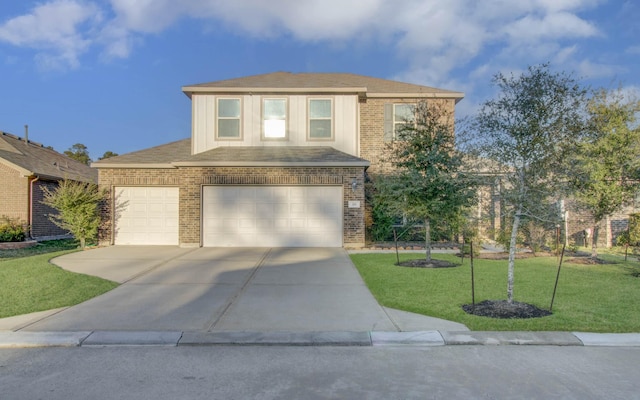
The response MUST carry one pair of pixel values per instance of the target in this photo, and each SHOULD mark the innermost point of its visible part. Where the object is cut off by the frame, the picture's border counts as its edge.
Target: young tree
(78, 152)
(77, 204)
(607, 162)
(427, 182)
(525, 133)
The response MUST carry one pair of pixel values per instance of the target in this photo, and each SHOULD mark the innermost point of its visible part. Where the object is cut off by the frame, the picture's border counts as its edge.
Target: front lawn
(590, 298)
(30, 284)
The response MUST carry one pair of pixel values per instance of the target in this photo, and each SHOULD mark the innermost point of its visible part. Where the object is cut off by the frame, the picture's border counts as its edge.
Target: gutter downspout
(31, 205)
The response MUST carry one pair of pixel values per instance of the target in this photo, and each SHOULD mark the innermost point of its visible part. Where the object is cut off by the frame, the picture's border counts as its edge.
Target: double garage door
(272, 216)
(242, 216)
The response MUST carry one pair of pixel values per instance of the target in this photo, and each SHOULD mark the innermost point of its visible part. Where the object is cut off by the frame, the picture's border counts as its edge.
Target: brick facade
(14, 196)
(41, 226)
(190, 180)
(15, 203)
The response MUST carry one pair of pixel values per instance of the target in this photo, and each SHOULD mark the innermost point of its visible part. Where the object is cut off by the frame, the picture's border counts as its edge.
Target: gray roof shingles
(43, 162)
(179, 153)
(288, 80)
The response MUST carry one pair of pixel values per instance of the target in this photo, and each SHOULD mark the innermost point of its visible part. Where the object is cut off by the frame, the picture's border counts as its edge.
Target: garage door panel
(273, 216)
(147, 215)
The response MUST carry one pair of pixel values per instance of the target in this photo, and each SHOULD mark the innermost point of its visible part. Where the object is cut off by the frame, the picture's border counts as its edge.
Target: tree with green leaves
(607, 162)
(427, 183)
(78, 152)
(524, 133)
(78, 208)
(108, 154)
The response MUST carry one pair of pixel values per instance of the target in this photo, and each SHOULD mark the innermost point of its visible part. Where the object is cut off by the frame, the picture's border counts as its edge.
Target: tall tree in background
(108, 154)
(607, 163)
(78, 152)
(426, 183)
(525, 133)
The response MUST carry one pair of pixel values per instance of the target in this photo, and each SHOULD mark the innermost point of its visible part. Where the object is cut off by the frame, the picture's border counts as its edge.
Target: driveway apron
(221, 289)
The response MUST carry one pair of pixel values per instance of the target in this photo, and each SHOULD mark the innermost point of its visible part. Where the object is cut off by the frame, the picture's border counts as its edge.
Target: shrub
(11, 230)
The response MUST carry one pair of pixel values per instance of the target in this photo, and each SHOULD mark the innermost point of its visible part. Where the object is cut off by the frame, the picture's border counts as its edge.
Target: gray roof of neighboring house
(322, 82)
(32, 158)
(178, 153)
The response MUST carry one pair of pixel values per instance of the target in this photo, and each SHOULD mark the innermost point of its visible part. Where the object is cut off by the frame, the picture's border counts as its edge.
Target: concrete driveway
(224, 289)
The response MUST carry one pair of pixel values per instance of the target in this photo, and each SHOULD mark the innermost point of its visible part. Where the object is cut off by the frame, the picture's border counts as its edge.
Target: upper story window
(320, 119)
(396, 117)
(274, 118)
(228, 119)
(403, 115)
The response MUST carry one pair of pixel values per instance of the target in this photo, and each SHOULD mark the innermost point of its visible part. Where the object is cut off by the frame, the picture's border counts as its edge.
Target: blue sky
(108, 73)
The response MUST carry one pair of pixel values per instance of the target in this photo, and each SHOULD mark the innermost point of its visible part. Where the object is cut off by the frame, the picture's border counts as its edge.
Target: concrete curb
(42, 339)
(376, 338)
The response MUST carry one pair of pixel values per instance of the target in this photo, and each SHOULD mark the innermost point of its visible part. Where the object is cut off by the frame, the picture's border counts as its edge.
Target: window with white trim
(320, 119)
(228, 118)
(274, 118)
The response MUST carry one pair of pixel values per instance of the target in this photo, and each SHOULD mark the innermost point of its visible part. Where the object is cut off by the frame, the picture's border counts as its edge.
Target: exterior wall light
(354, 184)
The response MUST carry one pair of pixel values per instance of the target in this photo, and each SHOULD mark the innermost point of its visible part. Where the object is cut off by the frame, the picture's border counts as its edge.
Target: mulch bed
(504, 309)
(423, 263)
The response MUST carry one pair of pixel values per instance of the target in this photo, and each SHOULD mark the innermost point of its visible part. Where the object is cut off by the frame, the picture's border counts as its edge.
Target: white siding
(345, 123)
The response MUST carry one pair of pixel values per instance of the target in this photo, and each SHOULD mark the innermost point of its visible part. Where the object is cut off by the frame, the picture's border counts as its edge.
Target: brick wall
(610, 227)
(190, 180)
(14, 194)
(41, 226)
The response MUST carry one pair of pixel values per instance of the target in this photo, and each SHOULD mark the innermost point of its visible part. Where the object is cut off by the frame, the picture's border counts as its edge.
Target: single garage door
(272, 216)
(147, 215)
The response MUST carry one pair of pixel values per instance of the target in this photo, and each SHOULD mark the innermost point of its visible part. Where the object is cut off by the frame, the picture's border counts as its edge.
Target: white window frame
(330, 119)
(285, 135)
(239, 118)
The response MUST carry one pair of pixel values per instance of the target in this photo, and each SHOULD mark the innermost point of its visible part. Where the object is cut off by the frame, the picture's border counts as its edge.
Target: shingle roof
(35, 159)
(162, 155)
(287, 81)
(179, 154)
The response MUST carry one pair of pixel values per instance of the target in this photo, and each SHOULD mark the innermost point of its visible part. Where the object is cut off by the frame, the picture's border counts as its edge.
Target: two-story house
(275, 160)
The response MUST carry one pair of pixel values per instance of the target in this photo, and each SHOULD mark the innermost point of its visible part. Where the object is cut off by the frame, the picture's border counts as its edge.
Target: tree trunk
(512, 256)
(82, 243)
(594, 240)
(427, 238)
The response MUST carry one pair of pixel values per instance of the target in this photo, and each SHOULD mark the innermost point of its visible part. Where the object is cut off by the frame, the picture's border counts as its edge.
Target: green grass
(40, 248)
(590, 298)
(30, 284)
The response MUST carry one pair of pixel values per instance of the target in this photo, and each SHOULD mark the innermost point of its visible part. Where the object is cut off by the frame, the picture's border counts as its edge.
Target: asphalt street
(287, 372)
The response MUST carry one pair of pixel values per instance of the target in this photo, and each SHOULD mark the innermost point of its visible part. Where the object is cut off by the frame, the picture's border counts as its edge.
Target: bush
(11, 230)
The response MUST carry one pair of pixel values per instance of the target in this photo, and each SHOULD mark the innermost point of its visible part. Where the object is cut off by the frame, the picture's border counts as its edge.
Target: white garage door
(272, 216)
(147, 215)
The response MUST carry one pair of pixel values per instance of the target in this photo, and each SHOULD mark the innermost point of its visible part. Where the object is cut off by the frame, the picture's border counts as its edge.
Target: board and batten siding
(345, 123)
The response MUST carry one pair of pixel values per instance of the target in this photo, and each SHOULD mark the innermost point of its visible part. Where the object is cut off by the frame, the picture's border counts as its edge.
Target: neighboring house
(273, 160)
(26, 168)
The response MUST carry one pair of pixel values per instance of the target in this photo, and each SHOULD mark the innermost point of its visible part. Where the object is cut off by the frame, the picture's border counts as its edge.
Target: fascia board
(270, 164)
(133, 165)
(189, 90)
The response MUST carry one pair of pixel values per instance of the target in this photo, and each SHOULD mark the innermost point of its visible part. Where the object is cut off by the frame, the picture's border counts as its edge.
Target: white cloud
(434, 37)
(59, 29)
